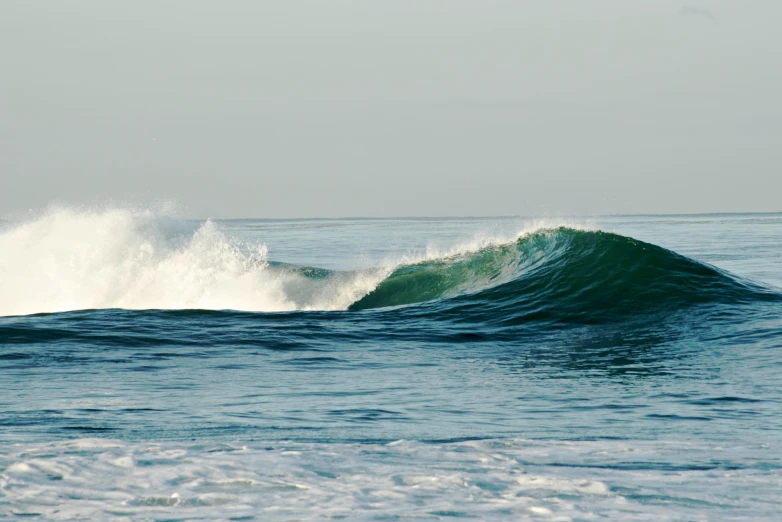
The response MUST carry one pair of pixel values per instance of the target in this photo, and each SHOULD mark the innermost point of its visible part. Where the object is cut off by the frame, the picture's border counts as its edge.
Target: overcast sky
(248, 108)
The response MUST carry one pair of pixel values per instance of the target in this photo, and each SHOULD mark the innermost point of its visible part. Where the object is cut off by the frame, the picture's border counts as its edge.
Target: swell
(567, 274)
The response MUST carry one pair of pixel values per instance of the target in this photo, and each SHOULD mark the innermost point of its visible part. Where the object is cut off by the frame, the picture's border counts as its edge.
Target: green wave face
(563, 272)
(463, 273)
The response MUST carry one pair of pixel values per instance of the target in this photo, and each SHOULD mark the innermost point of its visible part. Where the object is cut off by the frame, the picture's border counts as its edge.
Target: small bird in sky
(689, 10)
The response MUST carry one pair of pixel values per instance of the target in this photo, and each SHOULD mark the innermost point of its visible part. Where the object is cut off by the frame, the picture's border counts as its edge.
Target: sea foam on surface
(487, 480)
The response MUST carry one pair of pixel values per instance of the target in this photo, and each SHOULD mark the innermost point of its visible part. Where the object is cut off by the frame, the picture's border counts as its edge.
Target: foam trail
(118, 258)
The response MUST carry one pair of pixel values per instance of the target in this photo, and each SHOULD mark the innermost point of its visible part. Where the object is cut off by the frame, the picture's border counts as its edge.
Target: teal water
(409, 369)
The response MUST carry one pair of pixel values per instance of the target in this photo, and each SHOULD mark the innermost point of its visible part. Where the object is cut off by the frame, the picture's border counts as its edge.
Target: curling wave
(563, 274)
(71, 260)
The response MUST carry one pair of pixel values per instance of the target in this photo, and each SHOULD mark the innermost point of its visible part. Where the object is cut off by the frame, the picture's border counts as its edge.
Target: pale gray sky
(249, 108)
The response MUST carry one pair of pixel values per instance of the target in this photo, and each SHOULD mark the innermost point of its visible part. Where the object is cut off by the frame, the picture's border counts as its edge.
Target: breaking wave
(563, 274)
(75, 259)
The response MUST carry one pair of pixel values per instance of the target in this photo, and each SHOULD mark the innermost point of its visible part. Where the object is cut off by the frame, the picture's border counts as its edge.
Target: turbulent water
(412, 369)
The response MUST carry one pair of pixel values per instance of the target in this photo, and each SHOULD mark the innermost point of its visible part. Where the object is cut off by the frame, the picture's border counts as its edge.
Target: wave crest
(76, 259)
(563, 274)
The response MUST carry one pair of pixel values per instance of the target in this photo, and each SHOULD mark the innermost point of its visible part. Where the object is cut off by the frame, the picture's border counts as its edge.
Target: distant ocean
(615, 368)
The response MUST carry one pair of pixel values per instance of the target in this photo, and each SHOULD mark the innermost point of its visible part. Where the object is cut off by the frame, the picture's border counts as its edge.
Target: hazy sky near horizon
(309, 108)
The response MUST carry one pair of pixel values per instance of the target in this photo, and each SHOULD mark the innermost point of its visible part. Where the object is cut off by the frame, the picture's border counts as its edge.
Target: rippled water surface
(421, 369)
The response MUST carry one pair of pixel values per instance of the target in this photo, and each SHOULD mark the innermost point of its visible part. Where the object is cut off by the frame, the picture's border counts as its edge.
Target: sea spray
(72, 259)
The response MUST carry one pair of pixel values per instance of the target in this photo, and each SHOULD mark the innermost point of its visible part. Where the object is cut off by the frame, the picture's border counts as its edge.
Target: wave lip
(563, 273)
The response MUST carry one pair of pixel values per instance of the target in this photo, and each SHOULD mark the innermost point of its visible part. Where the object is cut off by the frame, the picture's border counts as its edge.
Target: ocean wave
(76, 259)
(563, 273)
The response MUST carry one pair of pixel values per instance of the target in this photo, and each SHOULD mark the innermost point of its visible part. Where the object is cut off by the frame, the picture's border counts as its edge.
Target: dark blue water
(624, 367)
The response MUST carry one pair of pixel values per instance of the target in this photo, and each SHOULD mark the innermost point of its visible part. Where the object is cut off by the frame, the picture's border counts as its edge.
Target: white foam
(69, 259)
(409, 480)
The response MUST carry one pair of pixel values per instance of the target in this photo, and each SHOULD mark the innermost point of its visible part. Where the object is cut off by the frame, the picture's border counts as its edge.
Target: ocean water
(626, 367)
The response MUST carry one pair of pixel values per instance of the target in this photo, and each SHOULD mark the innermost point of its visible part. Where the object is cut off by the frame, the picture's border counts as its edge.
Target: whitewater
(75, 259)
(121, 258)
(160, 368)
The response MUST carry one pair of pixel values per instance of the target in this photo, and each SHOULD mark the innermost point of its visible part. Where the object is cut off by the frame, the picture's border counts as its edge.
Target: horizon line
(493, 216)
